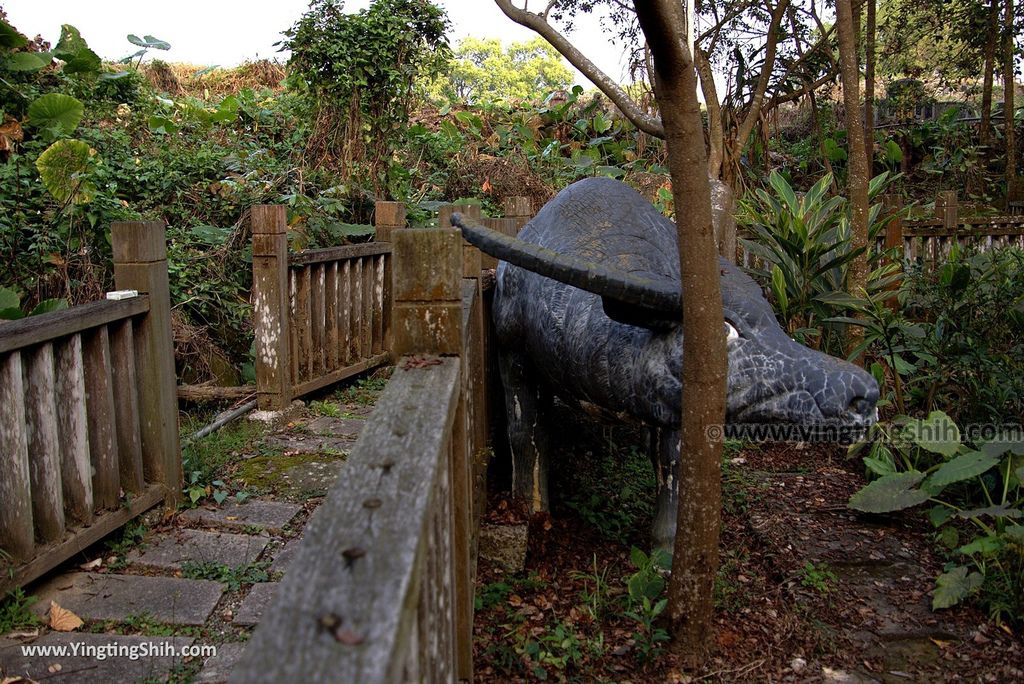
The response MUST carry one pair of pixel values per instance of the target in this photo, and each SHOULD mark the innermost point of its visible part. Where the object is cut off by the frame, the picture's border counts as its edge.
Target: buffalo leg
(526, 405)
(665, 455)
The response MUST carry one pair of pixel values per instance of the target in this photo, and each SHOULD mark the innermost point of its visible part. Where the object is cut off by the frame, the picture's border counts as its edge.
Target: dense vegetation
(84, 143)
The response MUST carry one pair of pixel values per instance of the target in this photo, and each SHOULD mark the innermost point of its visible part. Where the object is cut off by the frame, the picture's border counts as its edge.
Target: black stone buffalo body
(587, 307)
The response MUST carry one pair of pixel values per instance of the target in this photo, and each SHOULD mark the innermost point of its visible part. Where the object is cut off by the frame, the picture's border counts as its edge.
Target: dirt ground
(808, 590)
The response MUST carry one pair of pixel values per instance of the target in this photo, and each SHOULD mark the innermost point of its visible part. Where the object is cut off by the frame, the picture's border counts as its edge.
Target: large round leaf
(9, 36)
(937, 433)
(28, 61)
(63, 168)
(963, 467)
(56, 111)
(890, 493)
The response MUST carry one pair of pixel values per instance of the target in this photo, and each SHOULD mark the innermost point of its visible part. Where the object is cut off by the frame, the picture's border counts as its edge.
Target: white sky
(228, 32)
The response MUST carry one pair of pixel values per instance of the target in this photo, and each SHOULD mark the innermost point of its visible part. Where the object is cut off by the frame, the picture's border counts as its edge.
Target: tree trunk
(716, 136)
(985, 127)
(857, 175)
(695, 552)
(869, 86)
(1008, 88)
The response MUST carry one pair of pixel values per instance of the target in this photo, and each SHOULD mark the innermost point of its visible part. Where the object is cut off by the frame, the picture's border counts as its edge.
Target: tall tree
(695, 554)
(869, 84)
(991, 37)
(1008, 88)
(858, 175)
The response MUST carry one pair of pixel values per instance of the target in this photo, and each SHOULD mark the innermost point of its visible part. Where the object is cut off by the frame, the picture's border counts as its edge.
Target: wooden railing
(322, 315)
(382, 586)
(89, 417)
(926, 242)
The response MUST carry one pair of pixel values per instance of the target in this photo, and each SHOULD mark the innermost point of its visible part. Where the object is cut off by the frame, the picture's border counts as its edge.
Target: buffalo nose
(862, 406)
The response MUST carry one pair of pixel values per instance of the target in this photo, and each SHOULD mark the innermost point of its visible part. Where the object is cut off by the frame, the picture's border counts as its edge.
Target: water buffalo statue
(587, 308)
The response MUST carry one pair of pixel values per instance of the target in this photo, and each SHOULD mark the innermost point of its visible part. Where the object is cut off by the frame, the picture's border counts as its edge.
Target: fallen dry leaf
(92, 565)
(17, 680)
(62, 619)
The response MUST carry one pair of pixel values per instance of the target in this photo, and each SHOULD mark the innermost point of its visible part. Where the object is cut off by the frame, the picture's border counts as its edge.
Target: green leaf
(9, 299)
(890, 493)
(986, 546)
(28, 61)
(62, 167)
(1001, 445)
(162, 125)
(879, 466)
(610, 171)
(937, 433)
(48, 305)
(219, 496)
(75, 53)
(939, 515)
(148, 42)
(56, 111)
(953, 586)
(211, 235)
(779, 289)
(963, 467)
(11, 314)
(1014, 534)
(9, 36)
(999, 511)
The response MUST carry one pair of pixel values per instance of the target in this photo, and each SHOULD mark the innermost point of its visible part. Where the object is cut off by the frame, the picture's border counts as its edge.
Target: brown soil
(859, 613)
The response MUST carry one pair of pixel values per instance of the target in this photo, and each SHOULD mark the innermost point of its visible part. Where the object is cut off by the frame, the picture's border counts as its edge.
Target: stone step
(271, 516)
(217, 669)
(172, 551)
(95, 596)
(285, 556)
(160, 657)
(260, 597)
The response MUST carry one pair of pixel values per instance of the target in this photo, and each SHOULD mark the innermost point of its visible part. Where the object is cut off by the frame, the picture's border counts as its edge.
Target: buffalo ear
(639, 316)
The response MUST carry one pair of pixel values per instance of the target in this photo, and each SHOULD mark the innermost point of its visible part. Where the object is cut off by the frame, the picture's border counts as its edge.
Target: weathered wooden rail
(382, 587)
(88, 415)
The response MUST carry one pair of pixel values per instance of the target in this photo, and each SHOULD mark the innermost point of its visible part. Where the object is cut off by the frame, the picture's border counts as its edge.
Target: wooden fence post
(891, 206)
(946, 209)
(519, 209)
(271, 306)
(388, 217)
(140, 263)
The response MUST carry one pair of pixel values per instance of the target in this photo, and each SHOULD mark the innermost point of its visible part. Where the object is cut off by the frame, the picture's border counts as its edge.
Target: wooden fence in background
(927, 241)
(382, 586)
(89, 417)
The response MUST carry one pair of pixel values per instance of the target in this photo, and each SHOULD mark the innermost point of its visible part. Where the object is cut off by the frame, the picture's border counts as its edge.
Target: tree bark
(1008, 88)
(869, 86)
(857, 174)
(985, 127)
(695, 552)
(716, 136)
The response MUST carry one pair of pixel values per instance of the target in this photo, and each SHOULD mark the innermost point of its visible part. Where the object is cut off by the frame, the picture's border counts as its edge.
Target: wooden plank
(345, 312)
(340, 374)
(271, 306)
(79, 540)
(461, 506)
(369, 290)
(356, 292)
(386, 305)
(17, 538)
(318, 310)
(374, 524)
(43, 443)
(201, 393)
(293, 313)
(301, 323)
(99, 401)
(73, 429)
(378, 304)
(331, 316)
(49, 326)
(126, 406)
(316, 256)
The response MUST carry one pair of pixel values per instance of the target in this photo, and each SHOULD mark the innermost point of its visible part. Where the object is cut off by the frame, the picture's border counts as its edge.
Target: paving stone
(310, 479)
(161, 656)
(217, 669)
(285, 556)
(175, 549)
(310, 444)
(260, 596)
(267, 515)
(336, 427)
(94, 596)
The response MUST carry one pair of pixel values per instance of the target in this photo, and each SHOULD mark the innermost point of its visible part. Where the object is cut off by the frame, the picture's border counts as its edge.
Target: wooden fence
(927, 241)
(89, 418)
(382, 587)
(321, 315)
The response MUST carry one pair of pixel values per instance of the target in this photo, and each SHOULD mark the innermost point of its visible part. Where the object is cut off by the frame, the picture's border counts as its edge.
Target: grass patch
(16, 612)
(365, 391)
(265, 472)
(232, 578)
(210, 456)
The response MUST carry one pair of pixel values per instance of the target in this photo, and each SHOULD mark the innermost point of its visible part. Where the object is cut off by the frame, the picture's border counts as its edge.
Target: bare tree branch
(716, 136)
(766, 72)
(630, 109)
